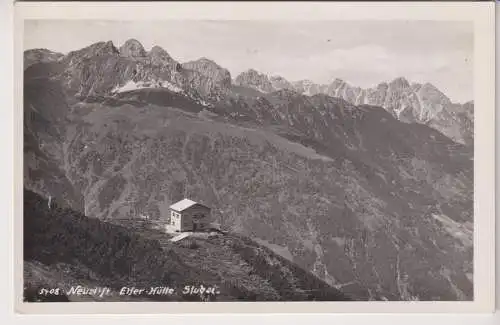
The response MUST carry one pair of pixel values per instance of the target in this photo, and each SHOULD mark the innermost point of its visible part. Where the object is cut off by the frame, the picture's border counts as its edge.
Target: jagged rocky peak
(249, 75)
(93, 50)
(338, 82)
(336, 85)
(96, 49)
(158, 52)
(305, 82)
(308, 87)
(159, 56)
(207, 78)
(132, 48)
(254, 79)
(286, 93)
(430, 87)
(203, 61)
(382, 86)
(102, 48)
(278, 78)
(41, 51)
(415, 86)
(208, 68)
(400, 83)
(40, 55)
(251, 72)
(469, 107)
(278, 82)
(430, 92)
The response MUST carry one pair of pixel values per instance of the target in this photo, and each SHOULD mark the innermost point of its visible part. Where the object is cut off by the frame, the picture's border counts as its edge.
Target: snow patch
(132, 85)
(204, 103)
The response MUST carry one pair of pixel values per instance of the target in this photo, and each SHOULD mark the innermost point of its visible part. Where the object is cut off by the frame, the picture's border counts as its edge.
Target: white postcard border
(483, 17)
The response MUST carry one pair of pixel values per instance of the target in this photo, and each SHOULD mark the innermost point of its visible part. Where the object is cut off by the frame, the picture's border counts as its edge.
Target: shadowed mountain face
(378, 207)
(208, 78)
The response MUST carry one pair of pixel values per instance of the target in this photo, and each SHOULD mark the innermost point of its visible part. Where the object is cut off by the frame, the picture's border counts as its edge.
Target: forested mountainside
(377, 207)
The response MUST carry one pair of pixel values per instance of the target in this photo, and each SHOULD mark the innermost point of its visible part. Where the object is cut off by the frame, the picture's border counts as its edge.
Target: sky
(363, 53)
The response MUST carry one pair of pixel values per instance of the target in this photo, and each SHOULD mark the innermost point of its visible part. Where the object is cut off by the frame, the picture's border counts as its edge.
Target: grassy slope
(64, 248)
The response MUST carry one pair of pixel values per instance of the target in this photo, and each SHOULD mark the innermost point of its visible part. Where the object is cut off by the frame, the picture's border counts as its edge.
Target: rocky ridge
(40, 55)
(102, 69)
(410, 103)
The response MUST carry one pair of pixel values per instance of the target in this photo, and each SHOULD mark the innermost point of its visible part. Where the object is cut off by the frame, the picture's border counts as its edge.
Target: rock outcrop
(254, 79)
(40, 56)
(208, 78)
(132, 49)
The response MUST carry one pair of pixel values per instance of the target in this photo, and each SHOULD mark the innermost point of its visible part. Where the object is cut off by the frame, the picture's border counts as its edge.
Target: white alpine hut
(188, 215)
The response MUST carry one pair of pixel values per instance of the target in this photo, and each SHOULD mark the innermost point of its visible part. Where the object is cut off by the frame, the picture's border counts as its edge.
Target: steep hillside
(46, 110)
(380, 208)
(64, 249)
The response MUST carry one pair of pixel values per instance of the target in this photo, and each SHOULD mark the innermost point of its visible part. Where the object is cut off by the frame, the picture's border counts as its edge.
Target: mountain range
(371, 190)
(411, 103)
(408, 102)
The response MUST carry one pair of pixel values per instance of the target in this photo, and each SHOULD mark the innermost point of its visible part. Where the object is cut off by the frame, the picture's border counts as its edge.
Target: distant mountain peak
(400, 82)
(109, 46)
(209, 78)
(252, 71)
(308, 87)
(383, 84)
(41, 50)
(430, 93)
(337, 82)
(278, 82)
(276, 77)
(305, 81)
(428, 85)
(132, 48)
(33, 56)
(206, 62)
(101, 48)
(159, 56)
(93, 50)
(158, 50)
(254, 79)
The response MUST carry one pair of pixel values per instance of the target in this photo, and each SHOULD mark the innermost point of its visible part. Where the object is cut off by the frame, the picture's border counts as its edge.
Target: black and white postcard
(338, 157)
